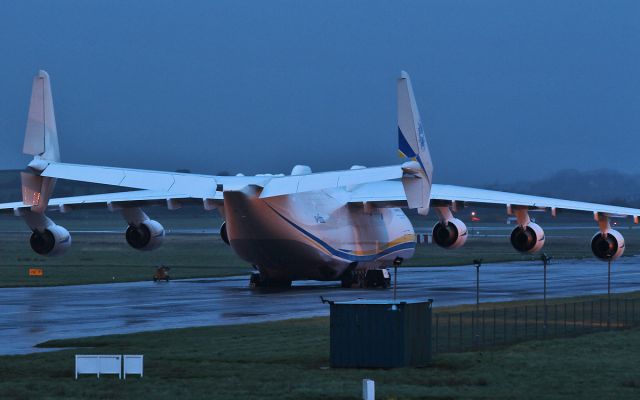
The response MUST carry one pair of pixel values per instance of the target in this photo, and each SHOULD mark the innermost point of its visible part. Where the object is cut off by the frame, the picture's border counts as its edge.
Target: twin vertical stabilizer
(41, 136)
(412, 143)
(40, 141)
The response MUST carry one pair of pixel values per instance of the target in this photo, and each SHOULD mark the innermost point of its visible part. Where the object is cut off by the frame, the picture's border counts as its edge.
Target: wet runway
(32, 315)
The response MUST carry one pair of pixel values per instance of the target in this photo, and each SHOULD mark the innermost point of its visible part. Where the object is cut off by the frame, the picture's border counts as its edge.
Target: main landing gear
(371, 278)
(377, 278)
(257, 280)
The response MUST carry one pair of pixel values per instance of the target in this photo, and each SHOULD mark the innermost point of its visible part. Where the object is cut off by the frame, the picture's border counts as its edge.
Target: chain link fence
(470, 330)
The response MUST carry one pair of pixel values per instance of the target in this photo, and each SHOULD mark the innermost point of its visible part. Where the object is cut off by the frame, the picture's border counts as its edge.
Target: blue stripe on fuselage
(343, 254)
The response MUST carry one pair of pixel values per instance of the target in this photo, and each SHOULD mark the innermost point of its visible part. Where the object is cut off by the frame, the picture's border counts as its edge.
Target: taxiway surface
(32, 315)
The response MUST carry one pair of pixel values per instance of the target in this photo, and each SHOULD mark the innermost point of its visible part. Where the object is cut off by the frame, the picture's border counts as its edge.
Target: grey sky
(508, 90)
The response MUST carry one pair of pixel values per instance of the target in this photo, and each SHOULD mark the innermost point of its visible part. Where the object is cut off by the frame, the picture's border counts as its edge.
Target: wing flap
(327, 180)
(137, 198)
(382, 193)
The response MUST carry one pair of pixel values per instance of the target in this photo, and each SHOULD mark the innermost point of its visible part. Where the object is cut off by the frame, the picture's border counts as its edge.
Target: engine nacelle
(54, 241)
(609, 247)
(223, 233)
(450, 235)
(529, 239)
(149, 235)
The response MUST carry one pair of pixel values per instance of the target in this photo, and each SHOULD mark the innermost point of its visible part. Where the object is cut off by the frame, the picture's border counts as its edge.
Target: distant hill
(601, 186)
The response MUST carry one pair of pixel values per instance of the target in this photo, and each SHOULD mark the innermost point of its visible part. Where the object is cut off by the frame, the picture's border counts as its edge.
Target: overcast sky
(508, 90)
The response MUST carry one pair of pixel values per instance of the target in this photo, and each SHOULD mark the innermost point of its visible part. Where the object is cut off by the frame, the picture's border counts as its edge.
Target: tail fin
(40, 141)
(412, 143)
(41, 136)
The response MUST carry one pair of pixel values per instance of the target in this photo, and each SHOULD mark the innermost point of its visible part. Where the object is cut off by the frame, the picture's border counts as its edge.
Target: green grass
(289, 360)
(107, 258)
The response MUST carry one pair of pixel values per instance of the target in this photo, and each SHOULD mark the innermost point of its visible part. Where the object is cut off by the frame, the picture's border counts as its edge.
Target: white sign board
(99, 364)
(87, 365)
(133, 364)
(110, 365)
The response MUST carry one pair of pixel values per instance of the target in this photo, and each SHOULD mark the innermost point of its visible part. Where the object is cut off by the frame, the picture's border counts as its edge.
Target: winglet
(412, 143)
(41, 135)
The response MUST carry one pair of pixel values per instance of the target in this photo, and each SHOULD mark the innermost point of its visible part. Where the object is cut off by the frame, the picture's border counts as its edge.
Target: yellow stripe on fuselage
(408, 238)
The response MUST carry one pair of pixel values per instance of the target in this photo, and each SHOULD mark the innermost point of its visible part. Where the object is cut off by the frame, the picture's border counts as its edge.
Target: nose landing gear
(371, 278)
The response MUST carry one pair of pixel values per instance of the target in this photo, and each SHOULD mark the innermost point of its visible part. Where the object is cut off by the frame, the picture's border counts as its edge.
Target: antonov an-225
(339, 225)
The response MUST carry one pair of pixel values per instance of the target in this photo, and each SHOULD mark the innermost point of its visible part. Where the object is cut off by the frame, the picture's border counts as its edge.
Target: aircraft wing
(377, 186)
(136, 198)
(206, 186)
(392, 194)
(194, 185)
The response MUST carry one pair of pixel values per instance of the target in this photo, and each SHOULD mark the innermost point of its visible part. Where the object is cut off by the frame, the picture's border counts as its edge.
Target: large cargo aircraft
(341, 225)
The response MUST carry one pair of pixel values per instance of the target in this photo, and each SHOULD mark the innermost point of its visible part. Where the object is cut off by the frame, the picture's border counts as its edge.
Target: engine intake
(149, 235)
(451, 234)
(608, 247)
(529, 239)
(53, 241)
(223, 233)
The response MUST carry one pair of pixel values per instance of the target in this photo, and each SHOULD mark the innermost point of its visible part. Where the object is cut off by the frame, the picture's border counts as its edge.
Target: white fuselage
(315, 235)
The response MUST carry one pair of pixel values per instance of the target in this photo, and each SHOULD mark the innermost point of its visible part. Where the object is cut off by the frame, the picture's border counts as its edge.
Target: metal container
(380, 334)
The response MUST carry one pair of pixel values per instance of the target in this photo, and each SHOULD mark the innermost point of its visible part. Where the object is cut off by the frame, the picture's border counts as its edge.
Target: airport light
(545, 260)
(609, 292)
(477, 263)
(396, 264)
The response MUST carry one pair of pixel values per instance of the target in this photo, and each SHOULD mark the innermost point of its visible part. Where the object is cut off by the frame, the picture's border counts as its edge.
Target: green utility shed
(380, 334)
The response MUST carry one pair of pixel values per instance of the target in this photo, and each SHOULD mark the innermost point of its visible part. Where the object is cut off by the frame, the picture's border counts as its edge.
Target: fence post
(504, 326)
(515, 323)
(584, 315)
(525, 320)
(449, 332)
(473, 329)
(555, 317)
(483, 329)
(536, 319)
(535, 322)
(460, 321)
(618, 313)
(435, 349)
(574, 317)
(494, 326)
(565, 319)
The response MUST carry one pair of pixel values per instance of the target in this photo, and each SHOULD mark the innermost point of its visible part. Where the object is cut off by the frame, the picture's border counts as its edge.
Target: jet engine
(148, 235)
(450, 234)
(53, 241)
(609, 246)
(223, 233)
(529, 239)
